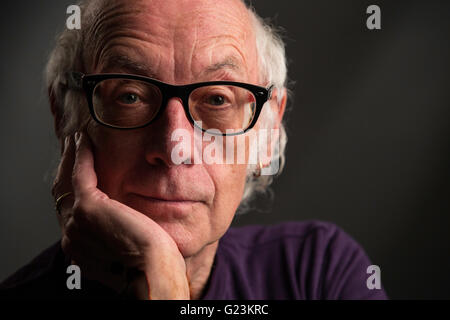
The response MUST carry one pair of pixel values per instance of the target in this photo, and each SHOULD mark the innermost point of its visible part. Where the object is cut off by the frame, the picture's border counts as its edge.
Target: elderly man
(143, 223)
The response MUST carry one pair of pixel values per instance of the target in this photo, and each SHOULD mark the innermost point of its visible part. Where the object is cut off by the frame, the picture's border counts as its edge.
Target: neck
(198, 269)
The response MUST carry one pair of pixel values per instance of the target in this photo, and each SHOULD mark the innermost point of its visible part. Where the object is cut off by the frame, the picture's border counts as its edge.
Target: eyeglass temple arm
(270, 91)
(74, 80)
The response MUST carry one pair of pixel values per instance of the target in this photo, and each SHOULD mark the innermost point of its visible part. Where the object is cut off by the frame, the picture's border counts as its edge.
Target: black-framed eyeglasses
(126, 101)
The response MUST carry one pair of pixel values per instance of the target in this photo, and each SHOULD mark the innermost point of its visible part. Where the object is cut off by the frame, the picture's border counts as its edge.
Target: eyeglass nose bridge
(169, 92)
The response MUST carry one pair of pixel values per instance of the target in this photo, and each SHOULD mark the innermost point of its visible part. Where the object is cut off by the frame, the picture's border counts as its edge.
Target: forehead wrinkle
(180, 55)
(228, 29)
(229, 22)
(207, 23)
(118, 44)
(107, 11)
(119, 38)
(230, 57)
(204, 26)
(119, 22)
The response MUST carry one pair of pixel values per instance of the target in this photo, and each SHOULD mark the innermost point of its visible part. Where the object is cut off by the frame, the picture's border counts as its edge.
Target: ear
(278, 107)
(57, 117)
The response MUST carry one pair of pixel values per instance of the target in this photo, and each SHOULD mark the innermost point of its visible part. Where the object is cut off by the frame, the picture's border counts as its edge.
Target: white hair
(273, 70)
(67, 55)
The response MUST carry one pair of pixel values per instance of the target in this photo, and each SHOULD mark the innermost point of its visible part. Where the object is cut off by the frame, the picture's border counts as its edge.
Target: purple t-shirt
(295, 260)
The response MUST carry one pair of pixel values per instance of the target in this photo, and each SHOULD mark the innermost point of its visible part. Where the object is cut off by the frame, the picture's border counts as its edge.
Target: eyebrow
(125, 63)
(228, 63)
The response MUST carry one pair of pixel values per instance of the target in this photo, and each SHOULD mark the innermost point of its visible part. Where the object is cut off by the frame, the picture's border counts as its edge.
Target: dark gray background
(368, 133)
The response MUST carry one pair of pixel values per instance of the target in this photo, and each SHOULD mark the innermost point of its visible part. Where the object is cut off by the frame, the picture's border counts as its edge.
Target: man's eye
(129, 98)
(216, 100)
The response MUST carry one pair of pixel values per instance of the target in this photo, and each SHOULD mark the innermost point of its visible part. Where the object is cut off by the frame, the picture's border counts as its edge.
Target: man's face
(177, 42)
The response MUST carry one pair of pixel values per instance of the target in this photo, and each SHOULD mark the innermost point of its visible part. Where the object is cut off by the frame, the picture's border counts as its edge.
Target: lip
(173, 200)
(160, 208)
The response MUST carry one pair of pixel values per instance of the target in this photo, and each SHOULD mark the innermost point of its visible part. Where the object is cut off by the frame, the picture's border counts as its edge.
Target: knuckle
(79, 212)
(82, 211)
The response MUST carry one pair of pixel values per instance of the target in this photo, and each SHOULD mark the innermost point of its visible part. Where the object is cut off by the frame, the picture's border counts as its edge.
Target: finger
(84, 178)
(63, 179)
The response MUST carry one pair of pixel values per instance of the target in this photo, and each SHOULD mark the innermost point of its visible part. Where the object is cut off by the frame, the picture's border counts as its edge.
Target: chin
(188, 224)
(189, 242)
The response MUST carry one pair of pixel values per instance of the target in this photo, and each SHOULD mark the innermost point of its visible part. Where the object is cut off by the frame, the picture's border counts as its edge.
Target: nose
(163, 143)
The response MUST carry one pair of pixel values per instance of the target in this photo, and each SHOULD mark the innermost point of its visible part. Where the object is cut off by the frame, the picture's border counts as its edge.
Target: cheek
(114, 155)
(229, 181)
(229, 178)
